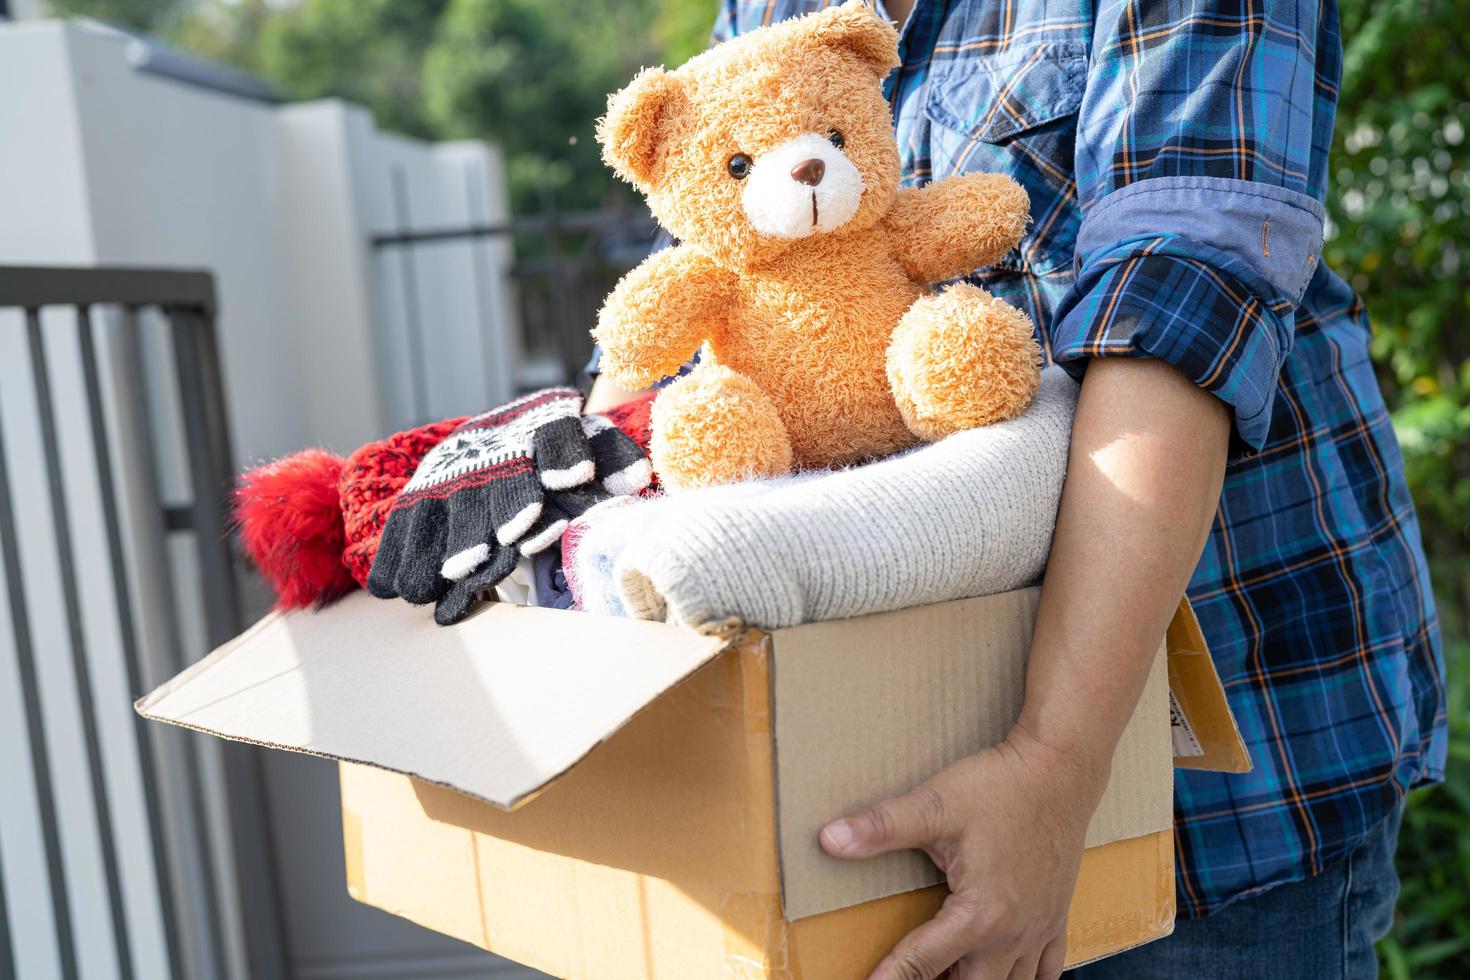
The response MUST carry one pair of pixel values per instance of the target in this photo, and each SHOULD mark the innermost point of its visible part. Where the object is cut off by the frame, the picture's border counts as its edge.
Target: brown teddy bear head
(771, 138)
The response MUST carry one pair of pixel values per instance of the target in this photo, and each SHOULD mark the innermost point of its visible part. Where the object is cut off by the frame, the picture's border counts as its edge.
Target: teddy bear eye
(739, 166)
(835, 138)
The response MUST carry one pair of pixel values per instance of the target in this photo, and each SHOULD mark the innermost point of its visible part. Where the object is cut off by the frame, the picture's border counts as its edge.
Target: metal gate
(125, 850)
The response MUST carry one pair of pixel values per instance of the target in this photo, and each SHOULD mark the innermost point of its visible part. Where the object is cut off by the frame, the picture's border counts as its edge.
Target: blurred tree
(518, 72)
(152, 16)
(228, 32)
(366, 51)
(681, 28)
(523, 73)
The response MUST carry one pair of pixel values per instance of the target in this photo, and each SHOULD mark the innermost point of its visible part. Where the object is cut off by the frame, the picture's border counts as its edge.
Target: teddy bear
(803, 271)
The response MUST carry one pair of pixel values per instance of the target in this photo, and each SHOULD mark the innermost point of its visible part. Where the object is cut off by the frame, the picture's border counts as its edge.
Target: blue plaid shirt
(1176, 152)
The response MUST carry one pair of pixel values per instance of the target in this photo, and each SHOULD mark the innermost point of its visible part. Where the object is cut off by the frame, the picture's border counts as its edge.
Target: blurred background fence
(129, 851)
(406, 217)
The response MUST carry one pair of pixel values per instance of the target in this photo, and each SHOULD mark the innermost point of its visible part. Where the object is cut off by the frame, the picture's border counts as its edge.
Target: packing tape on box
(753, 926)
(1147, 908)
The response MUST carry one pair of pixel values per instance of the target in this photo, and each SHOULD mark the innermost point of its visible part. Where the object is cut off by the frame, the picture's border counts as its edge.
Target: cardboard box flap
(487, 707)
(1204, 731)
(862, 707)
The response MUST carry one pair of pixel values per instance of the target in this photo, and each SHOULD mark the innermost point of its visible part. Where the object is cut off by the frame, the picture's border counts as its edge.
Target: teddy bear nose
(809, 172)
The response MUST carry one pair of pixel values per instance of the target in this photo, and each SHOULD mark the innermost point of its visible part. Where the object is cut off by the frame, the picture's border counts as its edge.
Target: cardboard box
(605, 798)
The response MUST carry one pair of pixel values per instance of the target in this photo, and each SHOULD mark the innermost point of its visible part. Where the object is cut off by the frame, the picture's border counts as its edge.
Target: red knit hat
(310, 522)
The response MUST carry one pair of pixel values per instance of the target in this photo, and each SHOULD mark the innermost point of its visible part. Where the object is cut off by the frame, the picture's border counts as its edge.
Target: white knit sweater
(970, 515)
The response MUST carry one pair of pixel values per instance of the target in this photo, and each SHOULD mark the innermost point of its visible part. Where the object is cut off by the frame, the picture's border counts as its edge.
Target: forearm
(1143, 484)
(606, 394)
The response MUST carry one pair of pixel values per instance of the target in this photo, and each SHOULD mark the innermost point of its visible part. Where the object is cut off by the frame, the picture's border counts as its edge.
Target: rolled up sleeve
(1202, 224)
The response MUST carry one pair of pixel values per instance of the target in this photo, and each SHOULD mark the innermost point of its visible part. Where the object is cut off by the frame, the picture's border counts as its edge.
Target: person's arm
(1006, 825)
(1143, 485)
(605, 394)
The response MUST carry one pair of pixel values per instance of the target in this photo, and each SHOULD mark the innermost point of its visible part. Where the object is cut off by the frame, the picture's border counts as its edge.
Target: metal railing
(111, 303)
(576, 258)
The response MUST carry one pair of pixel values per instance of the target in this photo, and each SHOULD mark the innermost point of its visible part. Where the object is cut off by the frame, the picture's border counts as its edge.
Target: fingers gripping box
(607, 798)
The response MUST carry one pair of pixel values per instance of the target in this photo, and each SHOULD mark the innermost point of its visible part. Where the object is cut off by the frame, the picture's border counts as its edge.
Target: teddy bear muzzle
(801, 187)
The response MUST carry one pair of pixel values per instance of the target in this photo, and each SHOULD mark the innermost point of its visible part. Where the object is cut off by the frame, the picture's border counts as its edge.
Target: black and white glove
(502, 485)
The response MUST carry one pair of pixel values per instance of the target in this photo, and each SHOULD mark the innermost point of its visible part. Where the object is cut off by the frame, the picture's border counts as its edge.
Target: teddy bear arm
(658, 315)
(951, 227)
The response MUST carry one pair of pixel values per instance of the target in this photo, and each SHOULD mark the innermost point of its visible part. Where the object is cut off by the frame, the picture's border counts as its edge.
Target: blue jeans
(1322, 928)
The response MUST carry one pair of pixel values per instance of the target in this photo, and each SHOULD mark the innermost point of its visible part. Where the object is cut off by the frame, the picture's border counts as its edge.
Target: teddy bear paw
(714, 426)
(960, 359)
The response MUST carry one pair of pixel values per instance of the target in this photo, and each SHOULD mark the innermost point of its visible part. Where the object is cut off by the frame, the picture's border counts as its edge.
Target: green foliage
(682, 29)
(522, 73)
(1400, 210)
(533, 79)
(143, 15)
(366, 51)
(227, 32)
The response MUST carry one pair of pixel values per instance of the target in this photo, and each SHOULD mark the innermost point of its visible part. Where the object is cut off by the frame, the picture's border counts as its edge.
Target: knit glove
(503, 484)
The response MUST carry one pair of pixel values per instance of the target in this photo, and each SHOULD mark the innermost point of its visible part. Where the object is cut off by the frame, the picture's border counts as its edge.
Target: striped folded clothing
(970, 515)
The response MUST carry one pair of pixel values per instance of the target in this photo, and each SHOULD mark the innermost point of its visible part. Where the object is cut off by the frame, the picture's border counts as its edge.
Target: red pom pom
(290, 518)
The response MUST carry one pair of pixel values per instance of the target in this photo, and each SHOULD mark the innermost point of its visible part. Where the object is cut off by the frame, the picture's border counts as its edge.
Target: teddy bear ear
(636, 128)
(858, 29)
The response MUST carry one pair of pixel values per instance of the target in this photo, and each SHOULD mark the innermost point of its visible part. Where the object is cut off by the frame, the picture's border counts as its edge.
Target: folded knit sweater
(970, 515)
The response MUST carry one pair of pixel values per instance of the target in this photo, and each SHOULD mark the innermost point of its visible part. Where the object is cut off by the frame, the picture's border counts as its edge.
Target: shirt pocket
(1015, 112)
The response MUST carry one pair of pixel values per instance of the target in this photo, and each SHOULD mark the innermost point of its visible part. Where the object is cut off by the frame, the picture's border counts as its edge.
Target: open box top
(502, 704)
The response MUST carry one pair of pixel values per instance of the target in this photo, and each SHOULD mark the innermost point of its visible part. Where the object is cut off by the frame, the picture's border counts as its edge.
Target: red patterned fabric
(371, 479)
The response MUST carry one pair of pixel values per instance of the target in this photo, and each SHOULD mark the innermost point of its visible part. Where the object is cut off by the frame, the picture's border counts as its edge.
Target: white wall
(413, 186)
(102, 164)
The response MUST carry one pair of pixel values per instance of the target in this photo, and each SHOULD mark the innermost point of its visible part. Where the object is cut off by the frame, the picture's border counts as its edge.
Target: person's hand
(1006, 826)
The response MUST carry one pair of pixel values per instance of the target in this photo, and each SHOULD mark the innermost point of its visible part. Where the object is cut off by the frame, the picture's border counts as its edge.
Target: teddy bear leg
(715, 425)
(960, 359)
